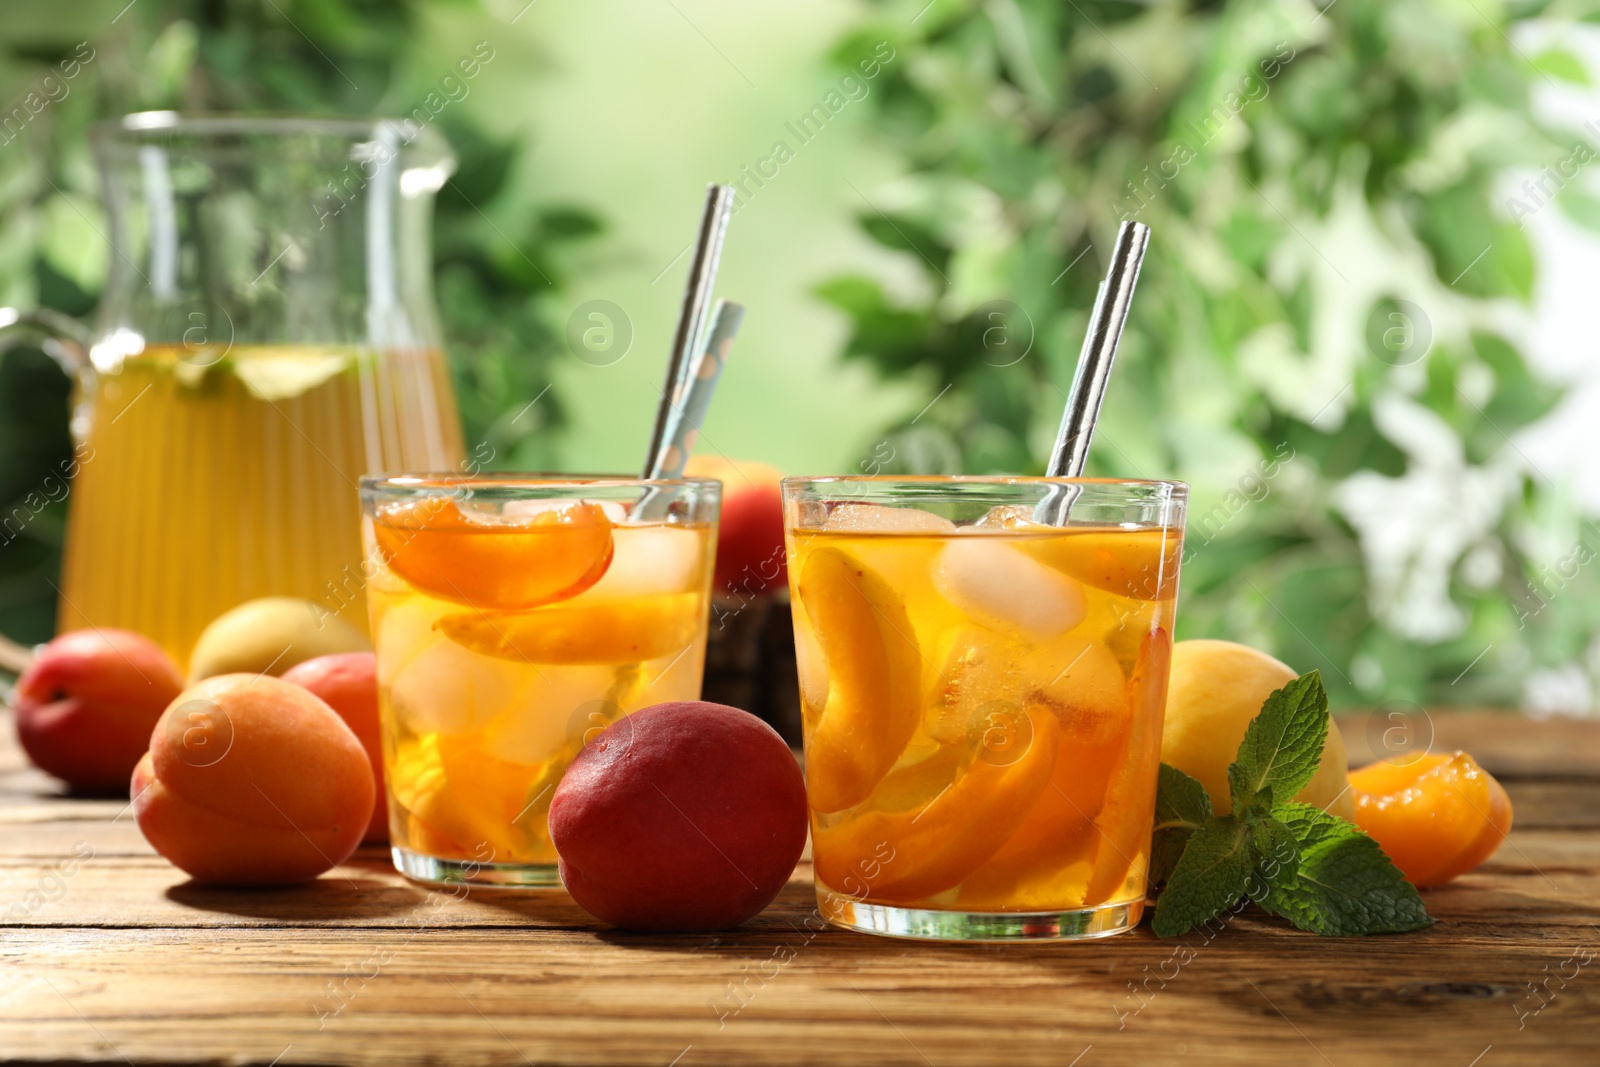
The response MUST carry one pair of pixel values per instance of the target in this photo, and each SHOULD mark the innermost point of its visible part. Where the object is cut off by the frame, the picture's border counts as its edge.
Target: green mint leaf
(1209, 878)
(1276, 854)
(1282, 746)
(1182, 807)
(1343, 884)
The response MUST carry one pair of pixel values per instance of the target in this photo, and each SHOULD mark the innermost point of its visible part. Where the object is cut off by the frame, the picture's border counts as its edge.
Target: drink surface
(982, 708)
(505, 644)
(210, 479)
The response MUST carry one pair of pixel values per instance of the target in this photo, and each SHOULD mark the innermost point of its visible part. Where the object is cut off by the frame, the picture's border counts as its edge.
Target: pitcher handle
(61, 337)
(65, 340)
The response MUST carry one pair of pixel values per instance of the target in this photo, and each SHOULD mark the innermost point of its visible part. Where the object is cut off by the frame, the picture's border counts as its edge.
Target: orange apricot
(496, 564)
(1436, 816)
(252, 781)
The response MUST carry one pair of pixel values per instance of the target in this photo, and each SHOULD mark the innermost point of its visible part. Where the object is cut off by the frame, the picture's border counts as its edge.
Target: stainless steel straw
(702, 372)
(696, 302)
(1099, 349)
(1110, 315)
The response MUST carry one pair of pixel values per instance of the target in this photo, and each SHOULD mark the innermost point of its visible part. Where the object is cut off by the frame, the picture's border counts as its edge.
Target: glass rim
(1178, 488)
(419, 144)
(444, 481)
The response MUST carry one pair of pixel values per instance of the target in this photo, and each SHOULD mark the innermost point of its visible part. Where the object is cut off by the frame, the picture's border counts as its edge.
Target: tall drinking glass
(982, 685)
(514, 617)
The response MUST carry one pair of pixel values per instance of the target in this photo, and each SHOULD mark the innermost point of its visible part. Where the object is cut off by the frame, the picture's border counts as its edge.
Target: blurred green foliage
(1318, 344)
(499, 256)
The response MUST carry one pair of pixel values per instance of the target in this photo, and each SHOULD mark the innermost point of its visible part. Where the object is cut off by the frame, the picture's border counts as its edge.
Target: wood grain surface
(108, 955)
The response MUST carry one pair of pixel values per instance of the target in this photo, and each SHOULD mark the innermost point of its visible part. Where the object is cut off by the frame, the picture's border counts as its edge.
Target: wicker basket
(750, 661)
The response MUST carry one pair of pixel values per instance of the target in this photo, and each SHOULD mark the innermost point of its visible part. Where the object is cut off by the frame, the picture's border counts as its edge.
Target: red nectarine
(685, 816)
(348, 683)
(750, 551)
(87, 704)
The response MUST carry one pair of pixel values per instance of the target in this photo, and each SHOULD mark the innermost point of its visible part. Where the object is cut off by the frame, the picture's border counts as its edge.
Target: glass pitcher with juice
(266, 336)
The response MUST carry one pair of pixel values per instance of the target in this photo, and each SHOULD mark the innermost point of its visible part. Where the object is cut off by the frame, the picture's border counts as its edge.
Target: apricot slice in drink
(1139, 564)
(462, 795)
(1437, 816)
(937, 845)
(496, 565)
(606, 631)
(874, 679)
(1123, 823)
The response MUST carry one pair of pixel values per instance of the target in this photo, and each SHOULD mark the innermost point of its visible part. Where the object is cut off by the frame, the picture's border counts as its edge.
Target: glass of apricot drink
(514, 617)
(983, 672)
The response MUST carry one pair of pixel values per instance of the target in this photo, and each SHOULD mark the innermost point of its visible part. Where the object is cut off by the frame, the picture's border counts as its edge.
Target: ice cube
(649, 560)
(438, 686)
(1081, 679)
(975, 668)
(998, 585)
(878, 519)
(1008, 517)
(812, 663)
(523, 510)
(539, 727)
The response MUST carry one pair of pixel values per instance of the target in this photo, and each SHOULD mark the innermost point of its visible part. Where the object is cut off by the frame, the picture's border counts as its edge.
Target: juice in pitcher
(513, 620)
(208, 479)
(982, 704)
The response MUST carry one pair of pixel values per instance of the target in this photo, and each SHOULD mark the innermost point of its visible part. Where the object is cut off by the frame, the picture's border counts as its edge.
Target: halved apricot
(1436, 816)
(493, 564)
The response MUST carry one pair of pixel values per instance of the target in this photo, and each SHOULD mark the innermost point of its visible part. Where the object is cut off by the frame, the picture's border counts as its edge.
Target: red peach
(252, 781)
(680, 817)
(348, 683)
(86, 705)
(750, 551)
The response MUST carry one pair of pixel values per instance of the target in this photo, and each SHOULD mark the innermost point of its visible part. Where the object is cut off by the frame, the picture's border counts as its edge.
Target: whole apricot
(1214, 691)
(680, 817)
(270, 635)
(1437, 816)
(252, 781)
(348, 683)
(86, 705)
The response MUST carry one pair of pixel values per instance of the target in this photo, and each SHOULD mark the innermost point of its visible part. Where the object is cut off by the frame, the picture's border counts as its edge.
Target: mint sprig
(1296, 861)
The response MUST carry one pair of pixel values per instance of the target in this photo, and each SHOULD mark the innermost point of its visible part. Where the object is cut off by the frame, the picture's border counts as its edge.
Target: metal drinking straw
(702, 373)
(1110, 315)
(692, 315)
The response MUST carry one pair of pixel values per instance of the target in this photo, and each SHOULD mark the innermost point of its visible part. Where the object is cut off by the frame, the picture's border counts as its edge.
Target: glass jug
(266, 336)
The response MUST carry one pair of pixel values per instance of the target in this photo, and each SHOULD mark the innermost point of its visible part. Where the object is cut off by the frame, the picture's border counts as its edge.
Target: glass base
(928, 924)
(425, 868)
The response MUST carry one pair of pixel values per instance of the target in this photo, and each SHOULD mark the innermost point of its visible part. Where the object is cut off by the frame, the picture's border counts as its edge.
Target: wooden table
(106, 954)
